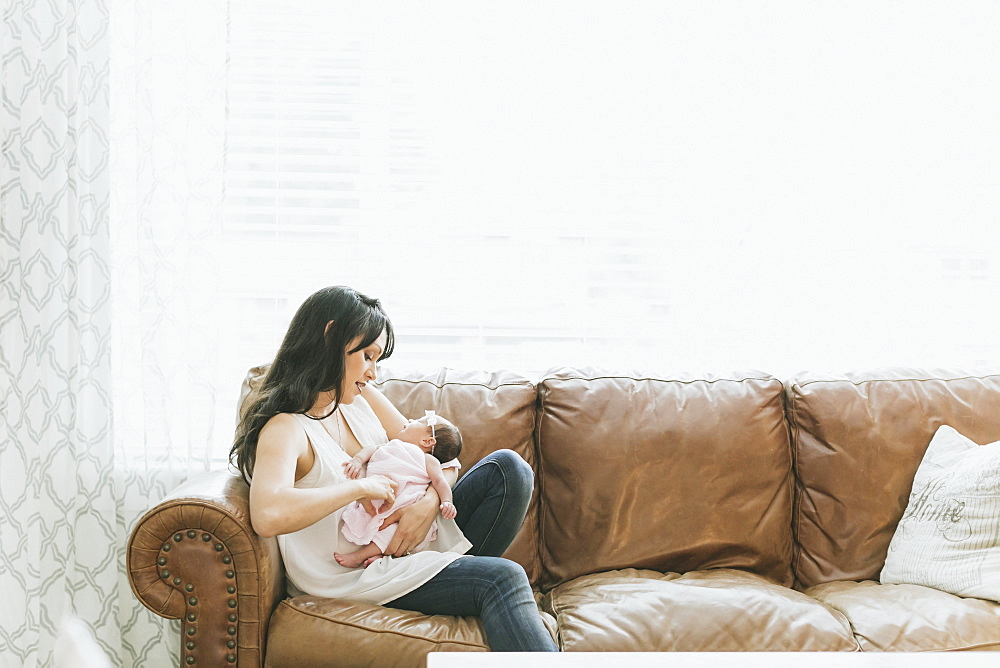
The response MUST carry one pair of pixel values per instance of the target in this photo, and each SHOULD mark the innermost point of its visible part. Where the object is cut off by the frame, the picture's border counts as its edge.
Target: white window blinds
(715, 185)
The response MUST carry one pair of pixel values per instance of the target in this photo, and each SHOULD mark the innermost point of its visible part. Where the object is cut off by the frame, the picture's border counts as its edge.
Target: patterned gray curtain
(112, 122)
(59, 532)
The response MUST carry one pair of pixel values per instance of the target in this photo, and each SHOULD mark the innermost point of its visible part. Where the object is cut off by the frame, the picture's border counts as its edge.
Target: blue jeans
(492, 499)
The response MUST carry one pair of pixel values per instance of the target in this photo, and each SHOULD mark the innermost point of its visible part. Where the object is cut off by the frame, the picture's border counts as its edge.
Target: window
(691, 186)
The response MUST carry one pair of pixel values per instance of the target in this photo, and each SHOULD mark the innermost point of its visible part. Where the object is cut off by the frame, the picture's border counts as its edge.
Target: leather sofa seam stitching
(660, 380)
(891, 380)
(525, 384)
(380, 631)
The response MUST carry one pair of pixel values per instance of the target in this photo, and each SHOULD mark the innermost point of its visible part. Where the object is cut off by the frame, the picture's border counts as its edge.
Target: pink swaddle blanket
(405, 464)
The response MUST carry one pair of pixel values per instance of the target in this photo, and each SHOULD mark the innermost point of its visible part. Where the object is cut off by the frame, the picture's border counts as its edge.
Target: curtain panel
(60, 532)
(110, 195)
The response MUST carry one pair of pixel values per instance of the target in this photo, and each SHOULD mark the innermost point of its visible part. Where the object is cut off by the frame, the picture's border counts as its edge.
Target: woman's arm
(390, 417)
(276, 506)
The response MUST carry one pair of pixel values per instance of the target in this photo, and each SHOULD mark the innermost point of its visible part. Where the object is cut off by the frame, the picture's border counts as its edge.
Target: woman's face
(360, 367)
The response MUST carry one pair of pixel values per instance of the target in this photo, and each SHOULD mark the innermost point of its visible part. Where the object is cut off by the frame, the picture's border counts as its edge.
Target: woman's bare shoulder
(283, 431)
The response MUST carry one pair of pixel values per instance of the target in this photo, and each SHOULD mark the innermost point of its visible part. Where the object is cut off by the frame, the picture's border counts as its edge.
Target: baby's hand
(448, 510)
(352, 469)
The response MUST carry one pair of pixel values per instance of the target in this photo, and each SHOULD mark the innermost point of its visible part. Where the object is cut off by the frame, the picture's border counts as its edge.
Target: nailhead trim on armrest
(195, 557)
(190, 651)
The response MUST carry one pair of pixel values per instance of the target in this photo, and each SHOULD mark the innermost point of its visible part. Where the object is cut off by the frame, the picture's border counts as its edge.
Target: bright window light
(781, 186)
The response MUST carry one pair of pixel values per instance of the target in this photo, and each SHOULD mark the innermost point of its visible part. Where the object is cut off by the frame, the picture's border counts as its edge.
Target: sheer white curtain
(60, 535)
(168, 86)
(168, 106)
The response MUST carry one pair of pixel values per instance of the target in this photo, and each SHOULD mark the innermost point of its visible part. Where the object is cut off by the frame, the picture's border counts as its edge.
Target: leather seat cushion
(912, 618)
(313, 631)
(718, 610)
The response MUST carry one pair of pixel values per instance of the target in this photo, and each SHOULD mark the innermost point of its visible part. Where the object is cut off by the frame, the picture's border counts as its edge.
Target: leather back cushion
(664, 473)
(858, 441)
(493, 411)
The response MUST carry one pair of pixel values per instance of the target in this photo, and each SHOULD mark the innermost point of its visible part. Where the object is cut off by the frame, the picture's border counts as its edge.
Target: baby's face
(417, 432)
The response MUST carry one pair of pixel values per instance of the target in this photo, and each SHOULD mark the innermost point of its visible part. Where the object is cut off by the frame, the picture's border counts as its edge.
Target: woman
(315, 411)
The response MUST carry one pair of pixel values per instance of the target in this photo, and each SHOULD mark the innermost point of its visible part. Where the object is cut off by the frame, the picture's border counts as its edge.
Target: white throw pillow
(949, 536)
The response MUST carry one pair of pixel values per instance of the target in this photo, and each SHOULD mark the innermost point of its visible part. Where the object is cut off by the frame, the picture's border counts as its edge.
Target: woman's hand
(378, 487)
(414, 523)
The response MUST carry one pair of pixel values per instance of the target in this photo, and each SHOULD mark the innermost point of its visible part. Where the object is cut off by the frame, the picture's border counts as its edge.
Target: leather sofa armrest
(195, 557)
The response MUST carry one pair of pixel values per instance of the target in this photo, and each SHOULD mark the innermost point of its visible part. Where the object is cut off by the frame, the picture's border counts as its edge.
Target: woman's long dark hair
(311, 360)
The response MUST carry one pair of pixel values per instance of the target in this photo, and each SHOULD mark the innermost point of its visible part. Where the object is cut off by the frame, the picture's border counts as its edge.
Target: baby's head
(447, 441)
(444, 441)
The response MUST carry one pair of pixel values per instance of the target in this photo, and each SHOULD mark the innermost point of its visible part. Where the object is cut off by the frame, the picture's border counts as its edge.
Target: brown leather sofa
(672, 513)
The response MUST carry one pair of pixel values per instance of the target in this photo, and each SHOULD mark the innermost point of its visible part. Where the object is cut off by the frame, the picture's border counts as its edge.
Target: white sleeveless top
(308, 553)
